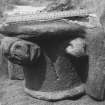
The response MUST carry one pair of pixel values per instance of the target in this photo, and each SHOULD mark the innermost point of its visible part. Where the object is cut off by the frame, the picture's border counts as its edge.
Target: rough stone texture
(95, 51)
(77, 47)
(102, 19)
(53, 71)
(60, 5)
(96, 74)
(96, 60)
(25, 52)
(3, 63)
(12, 93)
(41, 29)
(15, 71)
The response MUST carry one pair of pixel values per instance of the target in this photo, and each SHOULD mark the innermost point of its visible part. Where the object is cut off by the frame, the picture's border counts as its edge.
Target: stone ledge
(11, 93)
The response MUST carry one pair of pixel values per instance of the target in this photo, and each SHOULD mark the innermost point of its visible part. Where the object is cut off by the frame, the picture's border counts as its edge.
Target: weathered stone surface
(102, 19)
(53, 70)
(12, 93)
(20, 51)
(24, 52)
(55, 60)
(77, 47)
(95, 86)
(3, 63)
(94, 62)
(36, 30)
(60, 5)
(15, 71)
(6, 42)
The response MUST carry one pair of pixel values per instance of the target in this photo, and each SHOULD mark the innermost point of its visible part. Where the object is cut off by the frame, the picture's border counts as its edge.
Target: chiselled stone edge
(57, 95)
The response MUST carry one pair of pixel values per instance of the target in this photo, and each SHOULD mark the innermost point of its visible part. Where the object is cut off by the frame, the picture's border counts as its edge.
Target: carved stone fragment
(62, 63)
(60, 59)
(16, 50)
(50, 73)
(20, 51)
(77, 47)
(15, 71)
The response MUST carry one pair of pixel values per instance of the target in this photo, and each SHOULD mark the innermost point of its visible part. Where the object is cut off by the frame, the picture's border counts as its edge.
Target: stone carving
(77, 47)
(15, 71)
(59, 59)
(96, 77)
